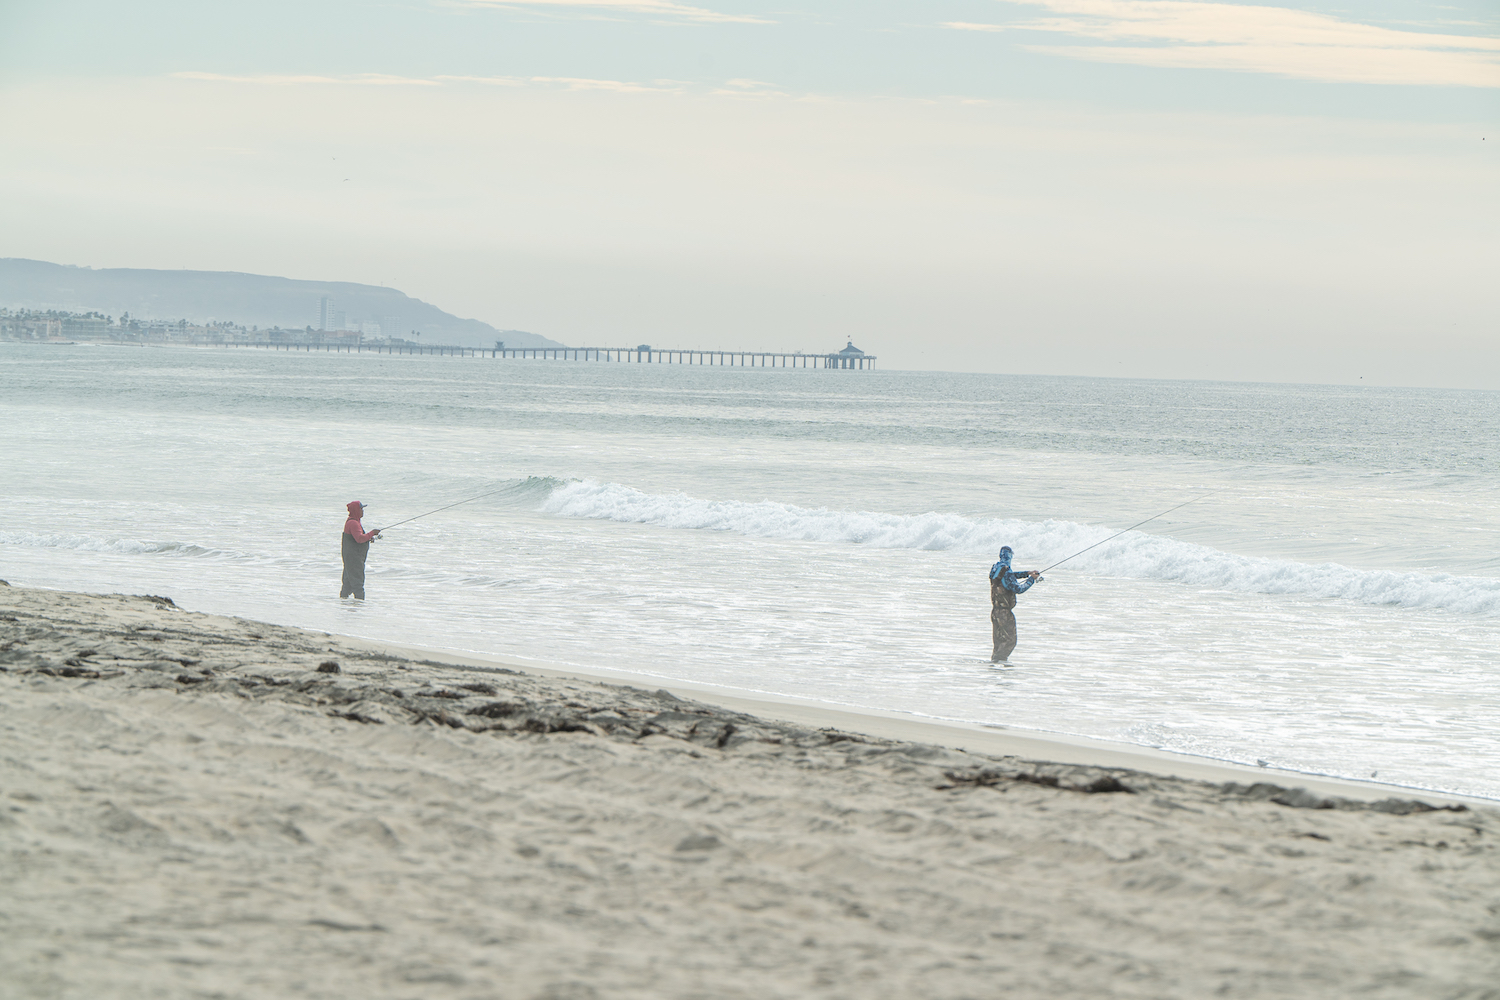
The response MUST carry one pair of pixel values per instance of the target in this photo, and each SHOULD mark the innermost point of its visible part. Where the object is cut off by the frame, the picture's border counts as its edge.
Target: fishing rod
(470, 500)
(1131, 528)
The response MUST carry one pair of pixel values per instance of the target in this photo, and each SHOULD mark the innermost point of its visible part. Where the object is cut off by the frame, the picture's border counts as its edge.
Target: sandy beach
(200, 806)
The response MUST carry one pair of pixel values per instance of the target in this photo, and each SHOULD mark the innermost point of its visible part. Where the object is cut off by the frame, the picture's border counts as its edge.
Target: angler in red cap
(356, 543)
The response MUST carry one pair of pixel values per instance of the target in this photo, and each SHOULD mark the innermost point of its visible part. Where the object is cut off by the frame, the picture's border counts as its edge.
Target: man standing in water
(356, 543)
(1004, 586)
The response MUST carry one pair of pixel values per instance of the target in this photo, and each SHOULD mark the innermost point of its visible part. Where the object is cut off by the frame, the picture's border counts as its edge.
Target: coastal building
(91, 326)
(26, 325)
(849, 357)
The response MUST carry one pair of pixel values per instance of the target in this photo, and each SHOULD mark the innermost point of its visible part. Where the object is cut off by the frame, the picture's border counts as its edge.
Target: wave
(1133, 555)
(530, 489)
(122, 546)
(517, 493)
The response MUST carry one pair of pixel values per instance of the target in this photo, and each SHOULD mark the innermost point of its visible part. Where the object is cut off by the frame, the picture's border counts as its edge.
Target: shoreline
(997, 740)
(199, 805)
(990, 739)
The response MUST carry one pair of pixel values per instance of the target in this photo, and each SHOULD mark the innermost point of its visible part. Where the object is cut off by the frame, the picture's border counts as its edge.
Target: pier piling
(849, 359)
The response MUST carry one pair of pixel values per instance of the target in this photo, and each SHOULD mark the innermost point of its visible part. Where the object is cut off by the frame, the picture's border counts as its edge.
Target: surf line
(440, 509)
(1131, 528)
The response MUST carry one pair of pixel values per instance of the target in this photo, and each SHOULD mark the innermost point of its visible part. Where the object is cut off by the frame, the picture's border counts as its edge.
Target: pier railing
(627, 355)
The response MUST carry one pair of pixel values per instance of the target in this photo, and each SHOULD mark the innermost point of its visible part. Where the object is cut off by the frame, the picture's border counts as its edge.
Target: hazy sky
(1097, 187)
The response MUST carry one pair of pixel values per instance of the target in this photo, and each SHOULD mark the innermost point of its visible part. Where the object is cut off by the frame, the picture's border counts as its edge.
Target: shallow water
(1330, 604)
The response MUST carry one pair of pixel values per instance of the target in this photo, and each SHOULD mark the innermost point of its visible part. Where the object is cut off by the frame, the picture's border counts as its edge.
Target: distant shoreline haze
(155, 299)
(29, 326)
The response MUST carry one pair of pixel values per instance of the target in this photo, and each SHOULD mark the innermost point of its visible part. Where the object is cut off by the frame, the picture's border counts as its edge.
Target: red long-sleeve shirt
(352, 527)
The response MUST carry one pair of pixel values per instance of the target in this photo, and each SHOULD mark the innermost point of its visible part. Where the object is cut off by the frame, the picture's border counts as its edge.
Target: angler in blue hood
(1005, 584)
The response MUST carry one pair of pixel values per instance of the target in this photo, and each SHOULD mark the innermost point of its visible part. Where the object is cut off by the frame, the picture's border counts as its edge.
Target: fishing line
(1131, 528)
(470, 500)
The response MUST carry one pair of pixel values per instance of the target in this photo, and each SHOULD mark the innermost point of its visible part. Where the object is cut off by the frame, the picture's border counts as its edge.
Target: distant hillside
(248, 299)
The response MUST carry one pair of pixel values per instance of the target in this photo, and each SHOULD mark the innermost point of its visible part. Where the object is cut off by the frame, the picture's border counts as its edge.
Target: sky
(1131, 188)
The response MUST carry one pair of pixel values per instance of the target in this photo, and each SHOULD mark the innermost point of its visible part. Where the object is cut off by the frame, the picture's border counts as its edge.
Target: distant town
(56, 326)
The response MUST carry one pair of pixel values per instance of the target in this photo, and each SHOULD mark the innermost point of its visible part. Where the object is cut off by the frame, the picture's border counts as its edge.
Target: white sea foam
(1134, 555)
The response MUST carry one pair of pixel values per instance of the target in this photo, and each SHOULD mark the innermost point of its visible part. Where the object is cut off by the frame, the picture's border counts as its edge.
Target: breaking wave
(529, 490)
(1134, 555)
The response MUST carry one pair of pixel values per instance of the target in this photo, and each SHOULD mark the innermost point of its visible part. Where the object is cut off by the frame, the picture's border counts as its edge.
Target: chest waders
(355, 554)
(1002, 621)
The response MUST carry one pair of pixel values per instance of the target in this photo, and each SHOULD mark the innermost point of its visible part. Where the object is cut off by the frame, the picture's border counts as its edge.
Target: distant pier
(849, 358)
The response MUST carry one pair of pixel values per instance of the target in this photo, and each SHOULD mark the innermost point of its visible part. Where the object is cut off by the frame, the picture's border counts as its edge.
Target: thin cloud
(971, 26)
(1276, 40)
(741, 87)
(737, 87)
(1343, 65)
(613, 86)
(658, 8)
(493, 81)
(290, 80)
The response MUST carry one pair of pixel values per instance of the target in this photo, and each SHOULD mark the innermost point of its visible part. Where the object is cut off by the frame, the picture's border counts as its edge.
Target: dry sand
(190, 808)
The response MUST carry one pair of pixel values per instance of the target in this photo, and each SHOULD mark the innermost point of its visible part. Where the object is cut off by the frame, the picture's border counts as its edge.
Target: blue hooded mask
(1002, 573)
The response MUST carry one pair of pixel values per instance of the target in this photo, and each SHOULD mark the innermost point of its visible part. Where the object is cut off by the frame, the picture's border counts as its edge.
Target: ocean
(1329, 603)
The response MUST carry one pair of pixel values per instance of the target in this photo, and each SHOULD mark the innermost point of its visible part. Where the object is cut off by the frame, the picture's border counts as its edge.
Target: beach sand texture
(189, 807)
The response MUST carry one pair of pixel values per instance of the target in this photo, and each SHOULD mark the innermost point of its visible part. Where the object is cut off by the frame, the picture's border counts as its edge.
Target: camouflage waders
(1002, 620)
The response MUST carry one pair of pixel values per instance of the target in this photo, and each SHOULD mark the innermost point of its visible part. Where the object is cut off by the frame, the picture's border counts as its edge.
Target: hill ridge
(242, 297)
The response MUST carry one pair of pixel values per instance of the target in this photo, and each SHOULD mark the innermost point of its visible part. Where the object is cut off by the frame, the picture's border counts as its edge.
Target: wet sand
(198, 806)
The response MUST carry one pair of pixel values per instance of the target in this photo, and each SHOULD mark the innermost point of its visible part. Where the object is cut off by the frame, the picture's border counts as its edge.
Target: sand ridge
(190, 807)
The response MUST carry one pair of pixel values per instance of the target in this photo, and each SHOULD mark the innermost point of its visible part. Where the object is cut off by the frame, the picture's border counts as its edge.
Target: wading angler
(356, 548)
(1005, 584)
